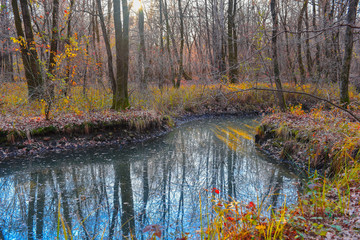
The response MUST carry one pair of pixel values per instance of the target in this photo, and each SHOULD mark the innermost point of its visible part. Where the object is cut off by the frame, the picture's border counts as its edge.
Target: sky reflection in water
(110, 192)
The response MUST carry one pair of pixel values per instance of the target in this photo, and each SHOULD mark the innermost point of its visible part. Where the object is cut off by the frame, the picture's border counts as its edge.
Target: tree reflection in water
(119, 192)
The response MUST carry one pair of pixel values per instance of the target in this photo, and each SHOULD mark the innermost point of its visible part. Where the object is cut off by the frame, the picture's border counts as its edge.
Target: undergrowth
(169, 100)
(314, 215)
(319, 139)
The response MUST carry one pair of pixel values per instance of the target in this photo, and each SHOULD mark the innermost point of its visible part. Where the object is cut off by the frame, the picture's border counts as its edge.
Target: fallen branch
(300, 93)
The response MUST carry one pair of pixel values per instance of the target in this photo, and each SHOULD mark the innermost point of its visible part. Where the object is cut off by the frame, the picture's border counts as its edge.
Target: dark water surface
(108, 192)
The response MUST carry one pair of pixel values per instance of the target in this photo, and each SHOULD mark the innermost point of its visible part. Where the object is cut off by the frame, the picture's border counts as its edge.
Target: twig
(300, 93)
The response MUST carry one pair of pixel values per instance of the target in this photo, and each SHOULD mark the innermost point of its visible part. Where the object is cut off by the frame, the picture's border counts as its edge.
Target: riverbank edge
(331, 198)
(17, 143)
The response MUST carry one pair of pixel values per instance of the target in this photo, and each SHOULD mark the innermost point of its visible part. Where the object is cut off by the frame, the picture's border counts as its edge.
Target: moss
(12, 136)
(44, 131)
(3, 135)
(87, 127)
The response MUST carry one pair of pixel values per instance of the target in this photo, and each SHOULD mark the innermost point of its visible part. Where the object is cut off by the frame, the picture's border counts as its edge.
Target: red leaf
(215, 190)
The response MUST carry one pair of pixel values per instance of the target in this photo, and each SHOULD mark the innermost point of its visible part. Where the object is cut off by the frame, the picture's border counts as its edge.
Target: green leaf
(323, 233)
(336, 227)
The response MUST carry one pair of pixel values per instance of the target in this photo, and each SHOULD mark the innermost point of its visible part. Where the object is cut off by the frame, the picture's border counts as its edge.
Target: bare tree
(232, 49)
(349, 43)
(300, 22)
(279, 94)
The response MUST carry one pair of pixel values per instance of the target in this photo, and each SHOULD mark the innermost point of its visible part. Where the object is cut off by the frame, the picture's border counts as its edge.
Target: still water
(107, 193)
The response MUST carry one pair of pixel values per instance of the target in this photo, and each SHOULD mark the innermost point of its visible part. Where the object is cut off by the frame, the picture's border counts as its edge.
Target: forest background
(59, 49)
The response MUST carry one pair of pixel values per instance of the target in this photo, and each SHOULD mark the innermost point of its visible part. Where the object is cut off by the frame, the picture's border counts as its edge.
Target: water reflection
(114, 194)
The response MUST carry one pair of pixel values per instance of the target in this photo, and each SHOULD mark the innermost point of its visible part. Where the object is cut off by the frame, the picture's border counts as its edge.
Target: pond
(106, 193)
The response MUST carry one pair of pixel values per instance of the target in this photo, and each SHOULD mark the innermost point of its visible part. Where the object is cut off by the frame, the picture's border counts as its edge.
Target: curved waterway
(105, 193)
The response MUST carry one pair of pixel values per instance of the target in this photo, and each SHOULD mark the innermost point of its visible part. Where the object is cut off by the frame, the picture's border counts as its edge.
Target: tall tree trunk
(168, 33)
(279, 94)
(208, 48)
(180, 58)
(299, 54)
(290, 63)
(161, 77)
(36, 84)
(235, 43)
(327, 43)
(317, 55)
(68, 36)
(349, 42)
(28, 50)
(121, 100)
(53, 51)
(182, 72)
(307, 43)
(6, 56)
(143, 66)
(221, 22)
(233, 72)
(108, 48)
(94, 31)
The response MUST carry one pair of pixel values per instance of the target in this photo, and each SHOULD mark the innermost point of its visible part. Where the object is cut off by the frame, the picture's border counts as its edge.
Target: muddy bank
(37, 136)
(56, 136)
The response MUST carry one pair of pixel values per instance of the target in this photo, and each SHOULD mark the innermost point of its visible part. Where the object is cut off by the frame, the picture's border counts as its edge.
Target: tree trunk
(233, 72)
(182, 72)
(349, 42)
(6, 56)
(108, 48)
(317, 55)
(290, 63)
(53, 51)
(327, 44)
(279, 94)
(68, 36)
(307, 43)
(143, 66)
(28, 50)
(168, 33)
(300, 62)
(121, 100)
(161, 77)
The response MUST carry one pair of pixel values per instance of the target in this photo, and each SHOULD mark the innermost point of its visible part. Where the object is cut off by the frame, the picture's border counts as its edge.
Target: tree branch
(301, 93)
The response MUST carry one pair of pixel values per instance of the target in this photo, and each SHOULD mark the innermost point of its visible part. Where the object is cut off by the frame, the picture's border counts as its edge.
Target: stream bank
(325, 142)
(37, 136)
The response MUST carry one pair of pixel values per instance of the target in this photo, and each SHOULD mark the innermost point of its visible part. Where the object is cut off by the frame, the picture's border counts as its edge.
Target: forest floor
(310, 134)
